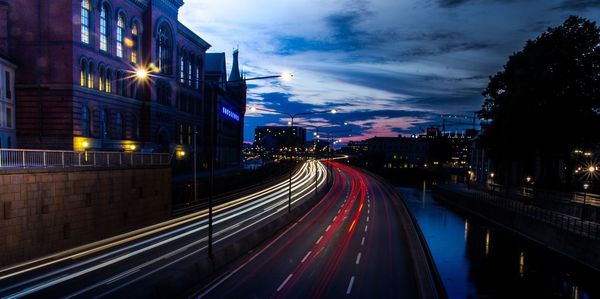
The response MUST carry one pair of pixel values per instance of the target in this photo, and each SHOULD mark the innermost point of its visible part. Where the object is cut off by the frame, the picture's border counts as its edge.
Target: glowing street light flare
(141, 73)
(287, 76)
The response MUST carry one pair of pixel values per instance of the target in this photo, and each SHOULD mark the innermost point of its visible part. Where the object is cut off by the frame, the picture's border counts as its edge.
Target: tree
(545, 102)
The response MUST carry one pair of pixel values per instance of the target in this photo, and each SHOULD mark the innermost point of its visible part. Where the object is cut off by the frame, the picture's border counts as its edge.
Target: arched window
(85, 121)
(90, 75)
(120, 32)
(164, 46)
(83, 65)
(85, 21)
(108, 81)
(119, 126)
(104, 125)
(134, 42)
(120, 83)
(104, 27)
(101, 77)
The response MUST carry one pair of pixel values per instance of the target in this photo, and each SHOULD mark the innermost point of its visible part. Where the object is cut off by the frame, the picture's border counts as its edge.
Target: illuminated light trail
(303, 181)
(322, 207)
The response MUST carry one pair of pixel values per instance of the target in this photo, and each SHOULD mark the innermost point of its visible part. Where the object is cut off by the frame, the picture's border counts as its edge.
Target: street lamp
(291, 123)
(143, 73)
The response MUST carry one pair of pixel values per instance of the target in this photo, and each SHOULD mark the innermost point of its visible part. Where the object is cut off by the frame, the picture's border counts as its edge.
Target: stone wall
(47, 210)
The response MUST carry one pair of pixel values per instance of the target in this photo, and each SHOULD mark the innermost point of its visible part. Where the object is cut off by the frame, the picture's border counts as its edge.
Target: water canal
(479, 260)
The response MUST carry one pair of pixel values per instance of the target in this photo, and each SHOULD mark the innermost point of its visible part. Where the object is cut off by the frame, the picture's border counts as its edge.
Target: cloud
(578, 5)
(391, 65)
(451, 3)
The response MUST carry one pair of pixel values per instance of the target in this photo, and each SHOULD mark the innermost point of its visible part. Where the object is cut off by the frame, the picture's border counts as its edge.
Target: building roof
(234, 76)
(191, 36)
(215, 63)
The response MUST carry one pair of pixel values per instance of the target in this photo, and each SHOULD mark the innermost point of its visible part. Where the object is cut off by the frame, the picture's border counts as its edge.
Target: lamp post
(292, 116)
(146, 72)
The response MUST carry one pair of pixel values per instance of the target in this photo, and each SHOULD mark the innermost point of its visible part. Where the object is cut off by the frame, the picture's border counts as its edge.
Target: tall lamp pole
(145, 72)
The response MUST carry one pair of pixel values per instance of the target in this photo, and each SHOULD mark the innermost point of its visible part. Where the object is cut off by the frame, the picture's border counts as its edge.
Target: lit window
(103, 28)
(189, 68)
(134, 45)
(82, 75)
(120, 31)
(90, 75)
(85, 21)
(101, 75)
(107, 82)
(181, 70)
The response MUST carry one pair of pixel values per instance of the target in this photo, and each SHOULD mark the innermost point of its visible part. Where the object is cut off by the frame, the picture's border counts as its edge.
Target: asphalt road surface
(349, 245)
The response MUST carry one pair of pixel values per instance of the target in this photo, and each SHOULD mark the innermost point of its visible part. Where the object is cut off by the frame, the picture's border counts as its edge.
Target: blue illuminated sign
(230, 114)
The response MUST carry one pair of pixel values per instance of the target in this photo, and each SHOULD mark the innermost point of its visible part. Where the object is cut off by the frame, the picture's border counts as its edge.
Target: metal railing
(24, 158)
(576, 225)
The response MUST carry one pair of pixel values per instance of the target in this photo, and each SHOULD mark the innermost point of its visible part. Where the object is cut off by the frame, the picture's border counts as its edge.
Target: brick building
(7, 85)
(76, 81)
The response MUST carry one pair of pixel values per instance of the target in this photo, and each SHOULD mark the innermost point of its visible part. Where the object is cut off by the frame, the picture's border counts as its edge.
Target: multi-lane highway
(353, 243)
(162, 257)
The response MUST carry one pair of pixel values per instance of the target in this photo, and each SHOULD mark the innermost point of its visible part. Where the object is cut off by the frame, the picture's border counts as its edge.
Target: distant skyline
(390, 66)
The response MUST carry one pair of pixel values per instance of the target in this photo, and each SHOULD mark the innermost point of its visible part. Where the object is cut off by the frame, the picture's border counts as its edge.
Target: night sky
(390, 66)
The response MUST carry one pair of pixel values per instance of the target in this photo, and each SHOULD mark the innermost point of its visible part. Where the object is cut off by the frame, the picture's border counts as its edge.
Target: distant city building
(273, 139)
(355, 147)
(398, 152)
(76, 83)
(7, 85)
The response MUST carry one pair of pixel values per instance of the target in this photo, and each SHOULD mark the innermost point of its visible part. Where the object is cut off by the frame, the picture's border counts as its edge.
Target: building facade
(7, 85)
(76, 81)
(229, 98)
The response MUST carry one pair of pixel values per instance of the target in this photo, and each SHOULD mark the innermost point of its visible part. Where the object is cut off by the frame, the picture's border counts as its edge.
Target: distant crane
(456, 119)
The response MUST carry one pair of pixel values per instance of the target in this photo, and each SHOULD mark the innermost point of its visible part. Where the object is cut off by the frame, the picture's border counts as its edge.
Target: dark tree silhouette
(544, 104)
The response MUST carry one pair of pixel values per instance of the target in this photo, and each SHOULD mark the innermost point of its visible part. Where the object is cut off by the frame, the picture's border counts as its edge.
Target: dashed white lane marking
(350, 286)
(339, 211)
(305, 257)
(366, 227)
(328, 227)
(367, 218)
(362, 242)
(358, 258)
(320, 238)
(368, 210)
(335, 217)
(284, 282)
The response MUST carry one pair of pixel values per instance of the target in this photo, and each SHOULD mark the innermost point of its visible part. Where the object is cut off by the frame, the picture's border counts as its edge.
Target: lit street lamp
(142, 74)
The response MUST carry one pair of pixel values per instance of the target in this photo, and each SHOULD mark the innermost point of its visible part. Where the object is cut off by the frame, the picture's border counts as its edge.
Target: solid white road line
(358, 258)
(350, 286)
(284, 282)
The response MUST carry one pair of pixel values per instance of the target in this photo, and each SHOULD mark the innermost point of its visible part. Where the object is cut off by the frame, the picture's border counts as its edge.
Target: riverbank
(570, 236)
(478, 259)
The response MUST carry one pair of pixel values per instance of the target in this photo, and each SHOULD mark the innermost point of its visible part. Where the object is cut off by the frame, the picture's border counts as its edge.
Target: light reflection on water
(476, 260)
